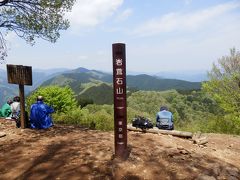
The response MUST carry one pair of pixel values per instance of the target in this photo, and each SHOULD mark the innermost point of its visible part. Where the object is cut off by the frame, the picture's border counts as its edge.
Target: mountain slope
(95, 86)
(142, 82)
(10, 90)
(76, 79)
(146, 82)
(7, 92)
(101, 93)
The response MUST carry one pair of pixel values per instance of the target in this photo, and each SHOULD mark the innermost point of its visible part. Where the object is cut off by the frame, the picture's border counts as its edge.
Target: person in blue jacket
(164, 119)
(40, 115)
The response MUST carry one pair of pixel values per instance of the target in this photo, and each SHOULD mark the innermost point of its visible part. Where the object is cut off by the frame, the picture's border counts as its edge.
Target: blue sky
(160, 35)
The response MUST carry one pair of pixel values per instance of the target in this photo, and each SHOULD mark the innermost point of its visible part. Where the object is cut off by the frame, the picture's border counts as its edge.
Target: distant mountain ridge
(8, 91)
(96, 86)
(95, 81)
(192, 76)
(142, 82)
(154, 83)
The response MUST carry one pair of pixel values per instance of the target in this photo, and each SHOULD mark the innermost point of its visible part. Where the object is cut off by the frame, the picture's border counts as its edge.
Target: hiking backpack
(142, 123)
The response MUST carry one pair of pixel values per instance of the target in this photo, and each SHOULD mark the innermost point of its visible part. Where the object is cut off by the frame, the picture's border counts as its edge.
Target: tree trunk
(157, 131)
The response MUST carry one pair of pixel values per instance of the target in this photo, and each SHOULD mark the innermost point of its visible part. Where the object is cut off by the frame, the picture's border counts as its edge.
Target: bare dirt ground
(67, 152)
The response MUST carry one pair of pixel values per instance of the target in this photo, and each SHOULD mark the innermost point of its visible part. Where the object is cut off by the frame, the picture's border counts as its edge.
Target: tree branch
(3, 2)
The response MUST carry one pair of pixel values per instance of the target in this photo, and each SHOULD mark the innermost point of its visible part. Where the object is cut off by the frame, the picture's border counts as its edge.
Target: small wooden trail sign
(21, 75)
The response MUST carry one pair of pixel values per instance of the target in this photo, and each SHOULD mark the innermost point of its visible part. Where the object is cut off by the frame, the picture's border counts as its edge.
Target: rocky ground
(68, 152)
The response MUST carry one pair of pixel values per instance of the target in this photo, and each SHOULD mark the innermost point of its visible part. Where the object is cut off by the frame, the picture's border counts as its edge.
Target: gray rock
(2, 134)
(233, 172)
(232, 178)
(216, 170)
(205, 177)
(180, 147)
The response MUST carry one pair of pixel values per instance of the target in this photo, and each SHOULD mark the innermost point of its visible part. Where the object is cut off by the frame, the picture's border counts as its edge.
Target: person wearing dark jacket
(40, 115)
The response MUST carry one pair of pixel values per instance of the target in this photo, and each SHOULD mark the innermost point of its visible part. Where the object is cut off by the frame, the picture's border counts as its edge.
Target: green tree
(224, 83)
(60, 98)
(31, 19)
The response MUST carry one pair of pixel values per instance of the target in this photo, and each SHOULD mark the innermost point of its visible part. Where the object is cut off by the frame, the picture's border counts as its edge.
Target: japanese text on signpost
(120, 105)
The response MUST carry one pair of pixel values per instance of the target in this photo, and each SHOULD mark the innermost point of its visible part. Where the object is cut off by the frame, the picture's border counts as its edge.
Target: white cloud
(11, 36)
(11, 40)
(124, 15)
(187, 2)
(192, 52)
(87, 13)
(184, 21)
(101, 53)
(82, 57)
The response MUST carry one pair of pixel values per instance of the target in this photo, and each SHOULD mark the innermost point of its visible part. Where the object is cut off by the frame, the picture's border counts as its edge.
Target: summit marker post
(120, 101)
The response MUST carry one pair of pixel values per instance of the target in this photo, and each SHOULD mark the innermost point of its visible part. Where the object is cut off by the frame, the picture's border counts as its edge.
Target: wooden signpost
(21, 75)
(120, 102)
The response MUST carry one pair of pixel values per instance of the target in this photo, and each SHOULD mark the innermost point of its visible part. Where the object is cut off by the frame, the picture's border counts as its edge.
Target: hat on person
(40, 98)
(16, 99)
(163, 108)
(9, 101)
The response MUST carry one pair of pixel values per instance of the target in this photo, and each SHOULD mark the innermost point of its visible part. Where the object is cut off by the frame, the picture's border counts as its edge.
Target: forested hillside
(146, 82)
(79, 78)
(192, 110)
(215, 108)
(96, 87)
(6, 90)
(142, 82)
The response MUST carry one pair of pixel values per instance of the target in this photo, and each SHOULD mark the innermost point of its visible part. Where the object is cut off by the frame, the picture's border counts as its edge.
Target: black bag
(142, 123)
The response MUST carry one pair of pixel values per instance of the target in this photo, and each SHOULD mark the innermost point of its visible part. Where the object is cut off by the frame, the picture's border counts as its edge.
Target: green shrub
(193, 112)
(98, 119)
(103, 120)
(76, 116)
(60, 98)
(93, 108)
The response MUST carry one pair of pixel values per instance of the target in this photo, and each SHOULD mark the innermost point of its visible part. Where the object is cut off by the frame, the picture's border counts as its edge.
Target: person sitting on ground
(164, 119)
(15, 107)
(6, 111)
(40, 115)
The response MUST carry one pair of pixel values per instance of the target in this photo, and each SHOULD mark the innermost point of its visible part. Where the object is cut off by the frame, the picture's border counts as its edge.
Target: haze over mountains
(90, 84)
(141, 82)
(192, 76)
